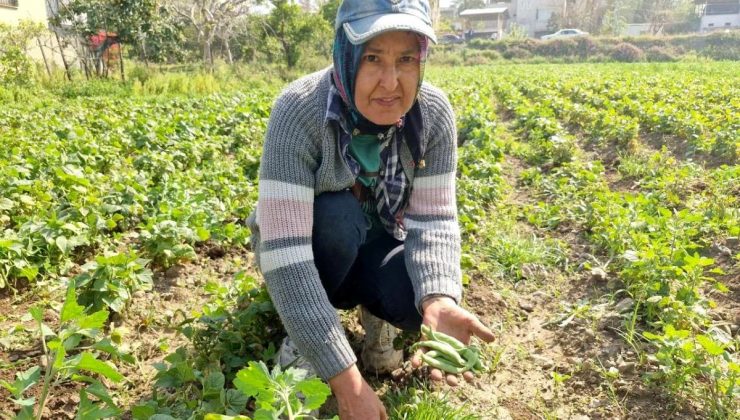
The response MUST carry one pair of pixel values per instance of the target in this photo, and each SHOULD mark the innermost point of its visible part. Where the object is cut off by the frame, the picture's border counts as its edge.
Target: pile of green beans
(448, 353)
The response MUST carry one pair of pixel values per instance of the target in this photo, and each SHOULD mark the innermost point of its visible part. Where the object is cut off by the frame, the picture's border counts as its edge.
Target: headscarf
(347, 58)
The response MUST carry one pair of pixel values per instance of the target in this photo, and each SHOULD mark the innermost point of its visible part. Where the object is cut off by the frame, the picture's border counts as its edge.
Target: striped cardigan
(301, 159)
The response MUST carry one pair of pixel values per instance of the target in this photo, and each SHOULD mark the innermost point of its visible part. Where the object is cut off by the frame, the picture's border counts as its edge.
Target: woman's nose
(389, 77)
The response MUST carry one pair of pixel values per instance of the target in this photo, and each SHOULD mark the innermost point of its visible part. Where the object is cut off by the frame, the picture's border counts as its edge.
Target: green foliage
(292, 32)
(279, 392)
(111, 280)
(65, 361)
(420, 403)
(15, 68)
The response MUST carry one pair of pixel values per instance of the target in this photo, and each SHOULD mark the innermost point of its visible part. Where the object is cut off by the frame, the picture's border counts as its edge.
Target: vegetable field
(600, 211)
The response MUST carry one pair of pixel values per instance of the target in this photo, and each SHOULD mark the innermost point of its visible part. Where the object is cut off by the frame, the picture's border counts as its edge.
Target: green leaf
(93, 321)
(222, 417)
(37, 313)
(23, 381)
(63, 244)
(5, 204)
(203, 234)
(71, 310)
(235, 401)
(711, 346)
(264, 414)
(213, 384)
(315, 392)
(255, 381)
(143, 412)
(89, 363)
(90, 410)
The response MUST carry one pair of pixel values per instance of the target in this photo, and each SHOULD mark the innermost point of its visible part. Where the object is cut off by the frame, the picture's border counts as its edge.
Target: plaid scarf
(391, 193)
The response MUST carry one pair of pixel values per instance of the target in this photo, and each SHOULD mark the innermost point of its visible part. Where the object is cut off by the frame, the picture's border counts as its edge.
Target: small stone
(575, 360)
(598, 274)
(626, 367)
(167, 296)
(527, 306)
(497, 299)
(580, 417)
(539, 295)
(139, 294)
(624, 305)
(734, 329)
(542, 361)
(596, 404)
(502, 413)
(174, 271)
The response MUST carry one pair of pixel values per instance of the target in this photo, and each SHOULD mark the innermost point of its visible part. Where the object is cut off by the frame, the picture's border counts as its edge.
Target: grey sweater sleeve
(285, 219)
(432, 248)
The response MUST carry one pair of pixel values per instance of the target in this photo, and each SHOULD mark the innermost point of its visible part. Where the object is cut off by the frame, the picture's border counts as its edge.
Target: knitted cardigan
(301, 159)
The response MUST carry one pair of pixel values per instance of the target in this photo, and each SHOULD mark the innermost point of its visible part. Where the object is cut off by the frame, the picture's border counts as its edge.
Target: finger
(436, 375)
(482, 331)
(452, 380)
(469, 376)
(416, 359)
(383, 414)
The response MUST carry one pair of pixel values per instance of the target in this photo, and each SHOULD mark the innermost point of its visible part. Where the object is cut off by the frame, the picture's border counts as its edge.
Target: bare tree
(213, 19)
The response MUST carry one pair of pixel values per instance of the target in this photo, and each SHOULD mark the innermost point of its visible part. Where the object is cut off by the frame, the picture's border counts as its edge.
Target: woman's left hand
(444, 315)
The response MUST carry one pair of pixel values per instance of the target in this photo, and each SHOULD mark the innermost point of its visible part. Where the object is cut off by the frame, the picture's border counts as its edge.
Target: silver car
(565, 33)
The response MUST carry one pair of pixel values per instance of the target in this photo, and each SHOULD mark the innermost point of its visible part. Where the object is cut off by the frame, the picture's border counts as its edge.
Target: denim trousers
(360, 269)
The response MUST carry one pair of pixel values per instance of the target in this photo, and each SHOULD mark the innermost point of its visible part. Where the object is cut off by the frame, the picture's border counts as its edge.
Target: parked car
(565, 33)
(450, 39)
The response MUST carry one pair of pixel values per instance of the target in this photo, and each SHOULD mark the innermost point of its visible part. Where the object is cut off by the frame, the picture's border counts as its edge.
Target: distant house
(14, 11)
(533, 15)
(719, 14)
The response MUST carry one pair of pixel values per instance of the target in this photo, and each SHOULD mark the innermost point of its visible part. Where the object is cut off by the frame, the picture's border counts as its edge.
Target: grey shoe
(288, 356)
(378, 355)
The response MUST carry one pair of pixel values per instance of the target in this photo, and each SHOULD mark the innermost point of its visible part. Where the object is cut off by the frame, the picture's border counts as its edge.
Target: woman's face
(388, 77)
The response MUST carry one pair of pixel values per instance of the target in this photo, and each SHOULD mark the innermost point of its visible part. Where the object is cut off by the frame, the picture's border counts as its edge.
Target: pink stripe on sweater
(284, 218)
(432, 202)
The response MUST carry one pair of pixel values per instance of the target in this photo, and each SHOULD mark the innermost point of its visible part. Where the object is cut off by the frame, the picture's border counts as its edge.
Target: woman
(357, 201)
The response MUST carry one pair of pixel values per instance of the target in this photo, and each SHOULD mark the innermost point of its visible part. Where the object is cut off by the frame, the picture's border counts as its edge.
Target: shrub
(15, 68)
(516, 53)
(627, 53)
(656, 53)
(566, 47)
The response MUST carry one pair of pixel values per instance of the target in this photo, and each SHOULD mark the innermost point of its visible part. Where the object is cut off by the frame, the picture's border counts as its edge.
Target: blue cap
(366, 19)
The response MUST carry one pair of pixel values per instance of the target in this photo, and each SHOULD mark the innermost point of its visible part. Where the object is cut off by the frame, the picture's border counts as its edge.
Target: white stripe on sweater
(269, 189)
(438, 225)
(283, 257)
(435, 181)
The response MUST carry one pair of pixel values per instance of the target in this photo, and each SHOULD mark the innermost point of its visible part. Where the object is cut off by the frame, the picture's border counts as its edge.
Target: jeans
(355, 270)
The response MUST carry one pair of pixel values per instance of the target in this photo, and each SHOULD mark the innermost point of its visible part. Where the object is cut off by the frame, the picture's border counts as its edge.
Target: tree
(292, 30)
(213, 19)
(104, 23)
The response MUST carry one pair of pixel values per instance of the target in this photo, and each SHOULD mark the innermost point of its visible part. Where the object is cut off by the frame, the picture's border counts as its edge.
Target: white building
(13, 12)
(720, 14)
(533, 15)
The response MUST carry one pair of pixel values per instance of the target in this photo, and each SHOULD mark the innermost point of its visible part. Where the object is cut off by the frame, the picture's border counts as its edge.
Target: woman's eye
(371, 58)
(408, 59)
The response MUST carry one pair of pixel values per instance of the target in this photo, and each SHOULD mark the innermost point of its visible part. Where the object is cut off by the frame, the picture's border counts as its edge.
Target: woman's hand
(356, 399)
(444, 315)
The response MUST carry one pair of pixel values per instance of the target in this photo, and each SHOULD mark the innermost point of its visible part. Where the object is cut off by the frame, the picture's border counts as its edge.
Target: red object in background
(105, 44)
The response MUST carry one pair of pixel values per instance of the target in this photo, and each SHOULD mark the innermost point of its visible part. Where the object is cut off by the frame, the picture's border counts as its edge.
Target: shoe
(378, 355)
(289, 357)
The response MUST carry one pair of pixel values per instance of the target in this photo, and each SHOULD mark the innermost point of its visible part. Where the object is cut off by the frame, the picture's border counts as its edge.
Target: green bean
(439, 364)
(440, 336)
(443, 348)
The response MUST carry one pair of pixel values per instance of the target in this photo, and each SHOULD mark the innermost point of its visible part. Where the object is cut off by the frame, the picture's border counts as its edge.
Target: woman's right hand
(355, 397)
